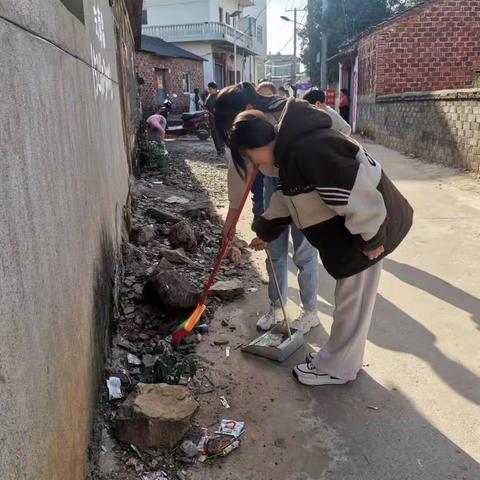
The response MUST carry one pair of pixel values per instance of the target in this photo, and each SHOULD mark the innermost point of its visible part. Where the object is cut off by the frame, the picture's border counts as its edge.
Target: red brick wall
(146, 64)
(367, 58)
(434, 47)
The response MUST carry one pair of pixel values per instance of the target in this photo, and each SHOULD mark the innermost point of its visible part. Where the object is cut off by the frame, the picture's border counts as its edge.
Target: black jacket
(334, 191)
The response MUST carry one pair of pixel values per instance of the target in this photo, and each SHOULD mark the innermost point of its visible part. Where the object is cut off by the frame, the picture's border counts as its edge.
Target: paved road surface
(422, 361)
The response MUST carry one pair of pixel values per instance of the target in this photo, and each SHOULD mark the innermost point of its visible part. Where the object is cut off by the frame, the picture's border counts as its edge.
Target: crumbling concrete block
(155, 415)
(228, 290)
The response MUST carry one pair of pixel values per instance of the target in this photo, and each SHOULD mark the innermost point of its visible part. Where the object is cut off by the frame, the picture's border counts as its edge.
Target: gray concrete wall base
(439, 126)
(63, 183)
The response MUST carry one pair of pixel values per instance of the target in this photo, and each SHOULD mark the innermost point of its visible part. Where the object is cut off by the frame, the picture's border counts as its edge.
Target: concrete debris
(155, 476)
(125, 345)
(134, 256)
(176, 256)
(162, 216)
(200, 209)
(155, 415)
(182, 235)
(170, 290)
(142, 235)
(149, 360)
(228, 289)
(176, 199)
(234, 255)
(221, 340)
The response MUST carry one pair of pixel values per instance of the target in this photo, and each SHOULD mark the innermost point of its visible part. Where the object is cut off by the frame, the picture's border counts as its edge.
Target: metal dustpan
(281, 341)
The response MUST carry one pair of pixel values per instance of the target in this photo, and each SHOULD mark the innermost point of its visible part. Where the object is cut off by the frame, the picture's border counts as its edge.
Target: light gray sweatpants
(355, 296)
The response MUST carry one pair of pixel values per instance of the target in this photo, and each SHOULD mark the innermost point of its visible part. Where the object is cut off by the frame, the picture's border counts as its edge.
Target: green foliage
(151, 154)
(171, 367)
(154, 154)
(342, 20)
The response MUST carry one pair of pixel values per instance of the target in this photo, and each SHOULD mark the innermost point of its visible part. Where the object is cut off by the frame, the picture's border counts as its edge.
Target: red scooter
(195, 123)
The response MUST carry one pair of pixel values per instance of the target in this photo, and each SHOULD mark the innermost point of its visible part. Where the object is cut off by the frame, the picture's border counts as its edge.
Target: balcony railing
(194, 32)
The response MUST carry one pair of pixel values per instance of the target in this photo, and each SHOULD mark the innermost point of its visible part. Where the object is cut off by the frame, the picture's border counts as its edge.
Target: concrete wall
(438, 126)
(128, 19)
(63, 182)
(168, 12)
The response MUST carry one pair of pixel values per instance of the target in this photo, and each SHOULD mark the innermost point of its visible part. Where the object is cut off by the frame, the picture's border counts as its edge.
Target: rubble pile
(174, 240)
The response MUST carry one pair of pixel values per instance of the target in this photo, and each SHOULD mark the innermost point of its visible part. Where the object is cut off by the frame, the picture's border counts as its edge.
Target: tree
(341, 20)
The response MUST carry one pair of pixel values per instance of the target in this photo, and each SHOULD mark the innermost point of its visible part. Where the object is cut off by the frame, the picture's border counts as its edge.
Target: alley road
(414, 411)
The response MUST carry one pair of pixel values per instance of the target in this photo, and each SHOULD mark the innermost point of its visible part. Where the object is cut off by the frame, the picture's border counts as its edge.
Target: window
(75, 7)
(227, 18)
(186, 82)
(252, 26)
(220, 14)
(260, 33)
(144, 17)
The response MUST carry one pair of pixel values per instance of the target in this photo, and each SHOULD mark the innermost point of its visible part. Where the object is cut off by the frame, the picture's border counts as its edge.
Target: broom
(187, 326)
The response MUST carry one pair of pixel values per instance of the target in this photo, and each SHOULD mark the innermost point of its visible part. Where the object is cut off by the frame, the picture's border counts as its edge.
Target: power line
(285, 46)
(258, 15)
(346, 21)
(291, 38)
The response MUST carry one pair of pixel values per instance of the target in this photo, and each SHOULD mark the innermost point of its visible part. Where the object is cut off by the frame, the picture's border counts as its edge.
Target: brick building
(412, 81)
(167, 69)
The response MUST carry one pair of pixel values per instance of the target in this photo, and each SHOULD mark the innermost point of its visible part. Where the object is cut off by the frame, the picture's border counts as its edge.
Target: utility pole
(235, 15)
(294, 73)
(235, 53)
(294, 61)
(324, 50)
(323, 59)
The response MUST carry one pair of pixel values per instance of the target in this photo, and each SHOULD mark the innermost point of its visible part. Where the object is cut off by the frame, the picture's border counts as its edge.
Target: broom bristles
(187, 326)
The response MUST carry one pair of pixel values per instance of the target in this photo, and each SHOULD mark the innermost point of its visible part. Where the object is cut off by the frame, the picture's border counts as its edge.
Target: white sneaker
(267, 321)
(307, 374)
(307, 320)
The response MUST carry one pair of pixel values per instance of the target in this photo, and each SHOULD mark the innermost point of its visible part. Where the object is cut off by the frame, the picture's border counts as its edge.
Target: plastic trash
(114, 385)
(133, 360)
(155, 476)
(231, 427)
(224, 401)
(189, 449)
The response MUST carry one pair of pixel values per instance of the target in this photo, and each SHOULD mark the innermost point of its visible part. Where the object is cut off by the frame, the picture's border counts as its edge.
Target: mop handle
(225, 245)
(277, 286)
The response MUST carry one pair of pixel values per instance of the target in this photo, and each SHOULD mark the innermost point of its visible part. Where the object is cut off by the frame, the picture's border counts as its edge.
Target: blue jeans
(305, 257)
(257, 197)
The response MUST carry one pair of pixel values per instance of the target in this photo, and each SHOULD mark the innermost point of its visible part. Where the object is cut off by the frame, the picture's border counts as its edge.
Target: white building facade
(214, 30)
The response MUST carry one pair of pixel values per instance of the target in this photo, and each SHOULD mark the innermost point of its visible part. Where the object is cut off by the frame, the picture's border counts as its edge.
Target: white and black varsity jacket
(334, 191)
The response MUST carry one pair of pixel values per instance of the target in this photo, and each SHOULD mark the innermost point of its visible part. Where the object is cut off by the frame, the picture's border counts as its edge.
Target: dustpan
(281, 341)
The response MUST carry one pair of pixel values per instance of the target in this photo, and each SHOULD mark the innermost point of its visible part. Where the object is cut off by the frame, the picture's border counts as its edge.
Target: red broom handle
(225, 245)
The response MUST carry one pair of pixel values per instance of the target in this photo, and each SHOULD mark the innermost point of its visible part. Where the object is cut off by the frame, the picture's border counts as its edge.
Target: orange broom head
(193, 319)
(187, 326)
